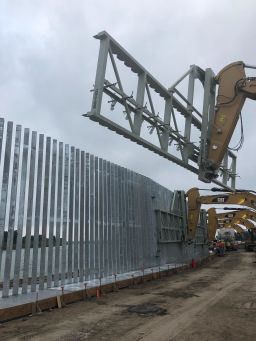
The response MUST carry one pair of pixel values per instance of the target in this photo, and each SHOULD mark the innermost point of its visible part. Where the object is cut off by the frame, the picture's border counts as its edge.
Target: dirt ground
(216, 302)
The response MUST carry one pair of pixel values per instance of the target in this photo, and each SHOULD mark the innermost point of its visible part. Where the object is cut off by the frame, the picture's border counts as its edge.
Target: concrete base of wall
(59, 298)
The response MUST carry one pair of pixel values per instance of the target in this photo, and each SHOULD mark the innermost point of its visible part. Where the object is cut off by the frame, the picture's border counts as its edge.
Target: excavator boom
(234, 88)
(245, 214)
(195, 201)
(214, 223)
(229, 223)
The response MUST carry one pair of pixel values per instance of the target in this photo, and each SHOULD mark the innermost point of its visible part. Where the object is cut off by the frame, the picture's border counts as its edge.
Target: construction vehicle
(250, 243)
(234, 88)
(214, 223)
(195, 201)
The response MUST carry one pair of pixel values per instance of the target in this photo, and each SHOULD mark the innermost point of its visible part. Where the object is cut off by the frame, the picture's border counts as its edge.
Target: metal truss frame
(192, 155)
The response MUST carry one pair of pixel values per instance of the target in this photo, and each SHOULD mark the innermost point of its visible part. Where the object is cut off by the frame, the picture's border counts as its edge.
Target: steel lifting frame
(192, 155)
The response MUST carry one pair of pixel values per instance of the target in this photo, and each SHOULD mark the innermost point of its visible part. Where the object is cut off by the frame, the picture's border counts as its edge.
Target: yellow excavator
(215, 221)
(238, 217)
(222, 220)
(234, 88)
(195, 200)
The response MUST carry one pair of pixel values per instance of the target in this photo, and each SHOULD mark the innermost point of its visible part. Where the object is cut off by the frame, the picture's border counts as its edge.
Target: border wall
(67, 216)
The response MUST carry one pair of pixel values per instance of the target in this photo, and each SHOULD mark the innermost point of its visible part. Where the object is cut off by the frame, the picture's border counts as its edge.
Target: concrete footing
(33, 303)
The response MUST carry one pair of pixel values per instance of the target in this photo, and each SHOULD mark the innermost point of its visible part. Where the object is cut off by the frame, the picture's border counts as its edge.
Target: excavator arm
(212, 223)
(237, 228)
(245, 214)
(195, 201)
(229, 223)
(234, 88)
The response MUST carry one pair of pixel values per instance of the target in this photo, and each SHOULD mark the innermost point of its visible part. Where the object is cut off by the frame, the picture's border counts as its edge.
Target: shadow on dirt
(146, 309)
(177, 294)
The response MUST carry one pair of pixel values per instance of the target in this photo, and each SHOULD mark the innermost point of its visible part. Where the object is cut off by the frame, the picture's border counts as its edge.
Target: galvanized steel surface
(68, 216)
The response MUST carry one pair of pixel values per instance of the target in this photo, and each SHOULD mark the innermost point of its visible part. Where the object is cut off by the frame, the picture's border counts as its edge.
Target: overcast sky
(48, 61)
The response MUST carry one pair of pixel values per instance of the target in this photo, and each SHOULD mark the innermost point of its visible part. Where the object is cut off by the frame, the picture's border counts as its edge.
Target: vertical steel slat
(141, 212)
(37, 212)
(129, 219)
(92, 202)
(109, 217)
(134, 244)
(96, 215)
(152, 236)
(144, 229)
(76, 236)
(147, 225)
(5, 182)
(114, 214)
(124, 244)
(136, 230)
(45, 213)
(137, 222)
(12, 211)
(29, 212)
(117, 221)
(52, 214)
(151, 214)
(1, 135)
(82, 226)
(128, 262)
(119, 235)
(58, 216)
(23, 180)
(137, 219)
(129, 235)
(151, 198)
(101, 193)
(87, 214)
(112, 208)
(105, 219)
(71, 215)
(128, 213)
(122, 220)
(133, 221)
(65, 217)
